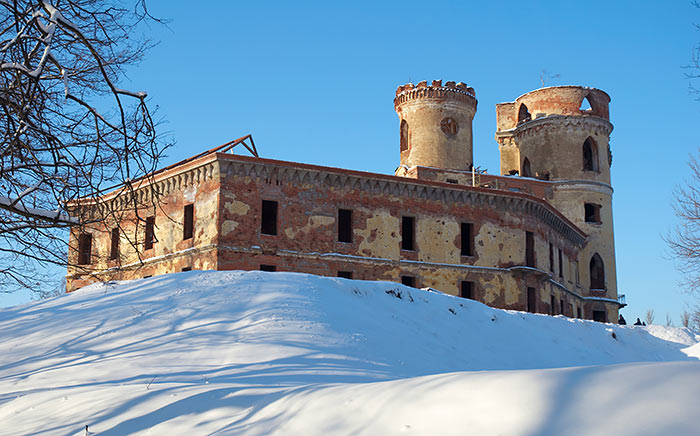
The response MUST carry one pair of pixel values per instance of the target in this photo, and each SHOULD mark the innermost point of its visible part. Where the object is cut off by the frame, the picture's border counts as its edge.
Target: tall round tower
(435, 124)
(562, 134)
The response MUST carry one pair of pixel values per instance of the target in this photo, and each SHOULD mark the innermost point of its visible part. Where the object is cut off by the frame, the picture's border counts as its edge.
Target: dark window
(526, 170)
(552, 305)
(523, 114)
(404, 135)
(467, 290)
(268, 268)
(592, 213)
(114, 246)
(188, 229)
(590, 155)
(344, 225)
(150, 233)
(148, 276)
(345, 274)
(268, 223)
(187, 268)
(551, 257)
(561, 265)
(530, 249)
(597, 272)
(455, 181)
(409, 281)
(407, 233)
(531, 300)
(578, 313)
(84, 249)
(600, 316)
(562, 308)
(467, 239)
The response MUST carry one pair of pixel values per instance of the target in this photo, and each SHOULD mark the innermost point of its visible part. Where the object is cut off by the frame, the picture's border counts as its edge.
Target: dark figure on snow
(622, 321)
(638, 322)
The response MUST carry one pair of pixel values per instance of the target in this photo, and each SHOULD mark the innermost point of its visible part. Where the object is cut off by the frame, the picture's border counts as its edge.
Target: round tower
(562, 134)
(435, 124)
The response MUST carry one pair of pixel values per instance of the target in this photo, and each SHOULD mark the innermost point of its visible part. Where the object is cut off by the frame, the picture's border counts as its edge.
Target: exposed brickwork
(227, 192)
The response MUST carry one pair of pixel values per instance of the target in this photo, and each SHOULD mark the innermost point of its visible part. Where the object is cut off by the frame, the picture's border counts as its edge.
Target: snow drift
(283, 353)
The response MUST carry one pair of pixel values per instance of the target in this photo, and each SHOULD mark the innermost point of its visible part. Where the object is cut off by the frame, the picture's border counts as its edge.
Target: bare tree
(68, 130)
(685, 318)
(695, 318)
(669, 321)
(650, 317)
(684, 240)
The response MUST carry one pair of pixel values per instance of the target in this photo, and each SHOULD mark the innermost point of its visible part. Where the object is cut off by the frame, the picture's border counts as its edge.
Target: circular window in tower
(449, 126)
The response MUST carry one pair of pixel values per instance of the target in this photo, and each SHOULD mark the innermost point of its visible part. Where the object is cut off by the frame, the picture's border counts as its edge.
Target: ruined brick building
(538, 237)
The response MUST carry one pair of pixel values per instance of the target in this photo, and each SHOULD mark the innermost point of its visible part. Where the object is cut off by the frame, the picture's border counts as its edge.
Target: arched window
(597, 272)
(590, 155)
(526, 171)
(585, 105)
(523, 114)
(404, 135)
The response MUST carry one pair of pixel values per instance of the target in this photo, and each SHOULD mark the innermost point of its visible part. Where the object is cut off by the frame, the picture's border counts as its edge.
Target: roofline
(445, 185)
(214, 155)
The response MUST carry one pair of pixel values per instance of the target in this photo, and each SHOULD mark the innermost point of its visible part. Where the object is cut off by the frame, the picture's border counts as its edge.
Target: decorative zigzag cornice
(569, 123)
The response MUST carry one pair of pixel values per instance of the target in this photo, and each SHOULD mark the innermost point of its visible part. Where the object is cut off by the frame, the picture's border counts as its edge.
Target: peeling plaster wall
(307, 233)
(194, 184)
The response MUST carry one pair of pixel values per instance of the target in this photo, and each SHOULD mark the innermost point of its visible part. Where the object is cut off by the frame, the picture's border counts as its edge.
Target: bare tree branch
(69, 132)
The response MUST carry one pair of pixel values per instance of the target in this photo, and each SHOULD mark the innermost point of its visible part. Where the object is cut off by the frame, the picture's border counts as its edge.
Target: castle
(538, 237)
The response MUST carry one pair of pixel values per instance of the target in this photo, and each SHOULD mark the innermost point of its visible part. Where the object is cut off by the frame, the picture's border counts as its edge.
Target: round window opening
(449, 126)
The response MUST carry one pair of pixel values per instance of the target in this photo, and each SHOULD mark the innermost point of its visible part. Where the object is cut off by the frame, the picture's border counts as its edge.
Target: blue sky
(314, 82)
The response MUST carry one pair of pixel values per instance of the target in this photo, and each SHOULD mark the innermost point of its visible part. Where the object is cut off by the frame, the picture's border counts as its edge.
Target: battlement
(458, 91)
(555, 100)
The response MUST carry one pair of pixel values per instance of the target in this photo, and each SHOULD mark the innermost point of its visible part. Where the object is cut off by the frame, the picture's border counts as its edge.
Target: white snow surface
(254, 353)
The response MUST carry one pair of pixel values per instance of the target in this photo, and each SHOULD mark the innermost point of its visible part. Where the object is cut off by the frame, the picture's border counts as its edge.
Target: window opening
(467, 290)
(268, 268)
(409, 281)
(592, 213)
(590, 155)
(84, 249)
(530, 249)
(597, 270)
(562, 307)
(561, 265)
(345, 274)
(404, 135)
(585, 104)
(268, 223)
(523, 114)
(578, 313)
(531, 300)
(188, 224)
(526, 171)
(344, 225)
(150, 233)
(552, 307)
(467, 239)
(114, 245)
(551, 257)
(600, 316)
(187, 268)
(408, 225)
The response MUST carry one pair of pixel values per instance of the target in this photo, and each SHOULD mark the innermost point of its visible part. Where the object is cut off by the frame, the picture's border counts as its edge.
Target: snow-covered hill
(256, 353)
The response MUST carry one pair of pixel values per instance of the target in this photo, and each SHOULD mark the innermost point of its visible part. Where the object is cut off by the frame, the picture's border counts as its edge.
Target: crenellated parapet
(450, 90)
